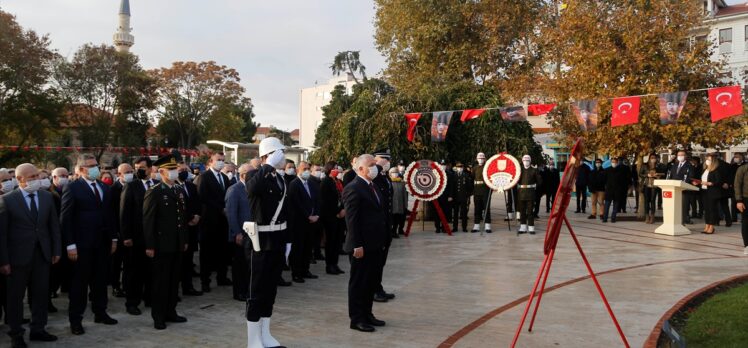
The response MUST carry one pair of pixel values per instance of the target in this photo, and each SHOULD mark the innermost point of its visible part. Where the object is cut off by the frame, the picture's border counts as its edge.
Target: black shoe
(395, 236)
(298, 279)
(331, 270)
(42, 336)
(536, 216)
(18, 342)
(454, 229)
(159, 325)
(612, 220)
(604, 220)
(224, 282)
(373, 321)
(176, 319)
(688, 222)
(312, 261)
(147, 304)
(309, 275)
(363, 327)
(117, 292)
(195, 274)
(591, 217)
(205, 288)
(51, 307)
(286, 268)
(728, 223)
(488, 231)
(240, 298)
(133, 310)
(474, 231)
(192, 292)
(380, 298)
(77, 329)
(337, 269)
(532, 232)
(105, 319)
(283, 282)
(438, 231)
(388, 295)
(464, 230)
(577, 211)
(319, 257)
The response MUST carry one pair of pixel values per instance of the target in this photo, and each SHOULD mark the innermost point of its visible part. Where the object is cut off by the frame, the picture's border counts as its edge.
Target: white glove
(276, 158)
(251, 230)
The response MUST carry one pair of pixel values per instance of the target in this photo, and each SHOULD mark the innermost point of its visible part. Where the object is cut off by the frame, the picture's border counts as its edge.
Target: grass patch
(720, 321)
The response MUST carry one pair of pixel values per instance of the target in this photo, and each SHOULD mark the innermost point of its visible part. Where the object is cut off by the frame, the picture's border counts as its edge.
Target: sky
(278, 47)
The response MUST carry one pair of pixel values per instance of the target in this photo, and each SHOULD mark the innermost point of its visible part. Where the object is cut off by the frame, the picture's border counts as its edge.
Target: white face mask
(173, 175)
(218, 165)
(7, 186)
(614, 165)
(291, 171)
(373, 172)
(738, 160)
(45, 183)
(340, 176)
(458, 170)
(32, 186)
(157, 177)
(230, 175)
(305, 174)
(280, 172)
(128, 177)
(681, 159)
(62, 181)
(526, 164)
(481, 161)
(394, 176)
(598, 165)
(386, 167)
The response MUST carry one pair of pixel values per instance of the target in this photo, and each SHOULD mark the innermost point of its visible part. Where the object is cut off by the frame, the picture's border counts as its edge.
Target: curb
(654, 336)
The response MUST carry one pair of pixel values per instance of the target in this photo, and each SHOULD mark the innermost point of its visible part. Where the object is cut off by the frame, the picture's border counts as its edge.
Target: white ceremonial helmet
(268, 145)
(480, 155)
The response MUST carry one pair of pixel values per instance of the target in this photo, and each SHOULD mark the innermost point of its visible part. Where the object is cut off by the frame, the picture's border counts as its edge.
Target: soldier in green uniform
(529, 180)
(480, 195)
(165, 232)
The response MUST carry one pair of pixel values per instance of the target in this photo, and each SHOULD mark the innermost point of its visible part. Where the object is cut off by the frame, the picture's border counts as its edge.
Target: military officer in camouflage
(165, 232)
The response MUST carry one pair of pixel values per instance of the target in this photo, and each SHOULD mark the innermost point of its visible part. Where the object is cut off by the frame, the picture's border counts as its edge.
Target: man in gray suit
(237, 212)
(29, 245)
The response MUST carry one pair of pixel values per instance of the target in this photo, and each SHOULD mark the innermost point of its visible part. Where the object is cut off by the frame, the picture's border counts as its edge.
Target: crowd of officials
(136, 228)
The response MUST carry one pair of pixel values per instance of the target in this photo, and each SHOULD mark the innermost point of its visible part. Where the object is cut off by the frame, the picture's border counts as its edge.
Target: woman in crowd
(648, 173)
(712, 191)
(399, 202)
(107, 178)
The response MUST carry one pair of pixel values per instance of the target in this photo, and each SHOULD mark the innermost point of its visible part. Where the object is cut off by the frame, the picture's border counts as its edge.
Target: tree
(283, 136)
(29, 107)
(349, 63)
(106, 91)
(191, 92)
(245, 111)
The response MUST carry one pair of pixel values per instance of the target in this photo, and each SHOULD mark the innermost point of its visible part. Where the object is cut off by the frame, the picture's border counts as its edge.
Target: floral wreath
(501, 172)
(425, 180)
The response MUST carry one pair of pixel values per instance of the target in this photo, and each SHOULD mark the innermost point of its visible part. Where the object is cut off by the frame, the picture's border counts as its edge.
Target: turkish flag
(625, 111)
(412, 120)
(540, 109)
(725, 102)
(470, 114)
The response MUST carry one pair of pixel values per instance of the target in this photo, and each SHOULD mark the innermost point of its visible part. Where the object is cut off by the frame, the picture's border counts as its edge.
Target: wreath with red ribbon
(425, 180)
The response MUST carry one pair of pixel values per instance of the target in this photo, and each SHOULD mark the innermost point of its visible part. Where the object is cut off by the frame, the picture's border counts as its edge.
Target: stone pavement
(445, 284)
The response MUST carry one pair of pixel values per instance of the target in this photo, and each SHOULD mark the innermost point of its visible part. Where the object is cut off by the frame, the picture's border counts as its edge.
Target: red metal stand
(412, 217)
(439, 211)
(445, 223)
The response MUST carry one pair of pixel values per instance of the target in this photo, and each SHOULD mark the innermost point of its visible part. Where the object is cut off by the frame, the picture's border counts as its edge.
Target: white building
(123, 40)
(311, 101)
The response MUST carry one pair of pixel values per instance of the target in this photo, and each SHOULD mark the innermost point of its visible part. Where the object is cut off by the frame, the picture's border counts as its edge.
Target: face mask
(481, 161)
(62, 181)
(15, 182)
(458, 170)
(322, 175)
(386, 166)
(614, 165)
(681, 159)
(373, 172)
(7, 186)
(280, 172)
(340, 176)
(305, 175)
(526, 164)
(128, 177)
(738, 160)
(173, 175)
(157, 177)
(184, 176)
(107, 181)
(94, 173)
(708, 162)
(32, 186)
(218, 165)
(291, 171)
(190, 176)
(394, 176)
(45, 183)
(598, 165)
(401, 169)
(230, 175)
(142, 174)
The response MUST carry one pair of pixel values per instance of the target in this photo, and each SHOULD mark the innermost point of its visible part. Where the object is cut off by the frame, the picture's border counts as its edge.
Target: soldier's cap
(458, 164)
(384, 153)
(166, 162)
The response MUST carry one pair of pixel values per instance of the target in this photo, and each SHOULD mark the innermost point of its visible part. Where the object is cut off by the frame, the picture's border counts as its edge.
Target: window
(746, 37)
(725, 40)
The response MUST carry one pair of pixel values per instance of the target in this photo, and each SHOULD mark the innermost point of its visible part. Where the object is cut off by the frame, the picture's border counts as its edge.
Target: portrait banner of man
(671, 105)
(440, 125)
(513, 114)
(586, 112)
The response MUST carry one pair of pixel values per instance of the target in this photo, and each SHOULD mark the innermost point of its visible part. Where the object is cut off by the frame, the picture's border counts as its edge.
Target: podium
(672, 206)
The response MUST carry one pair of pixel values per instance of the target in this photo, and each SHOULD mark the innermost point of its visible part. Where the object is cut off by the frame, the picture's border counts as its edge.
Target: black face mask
(141, 174)
(183, 176)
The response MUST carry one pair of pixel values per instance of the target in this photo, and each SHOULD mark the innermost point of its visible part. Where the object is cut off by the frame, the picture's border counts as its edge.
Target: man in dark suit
(383, 182)
(331, 214)
(214, 230)
(580, 186)
(90, 239)
(165, 235)
(125, 174)
(615, 177)
(366, 220)
(137, 266)
(192, 200)
(237, 213)
(551, 181)
(682, 170)
(303, 197)
(29, 245)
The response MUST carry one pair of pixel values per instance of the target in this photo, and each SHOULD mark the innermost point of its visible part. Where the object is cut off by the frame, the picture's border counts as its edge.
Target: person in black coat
(192, 200)
(445, 200)
(137, 265)
(615, 177)
(304, 203)
(461, 192)
(215, 250)
(737, 161)
(597, 189)
(125, 174)
(331, 212)
(551, 181)
(384, 184)
(580, 186)
(368, 235)
(711, 183)
(90, 239)
(682, 170)
(727, 180)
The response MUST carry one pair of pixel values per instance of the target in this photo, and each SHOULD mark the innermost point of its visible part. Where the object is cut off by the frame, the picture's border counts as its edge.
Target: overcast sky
(278, 47)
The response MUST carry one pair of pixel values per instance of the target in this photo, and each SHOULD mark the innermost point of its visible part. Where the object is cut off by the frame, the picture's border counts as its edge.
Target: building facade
(311, 101)
(726, 26)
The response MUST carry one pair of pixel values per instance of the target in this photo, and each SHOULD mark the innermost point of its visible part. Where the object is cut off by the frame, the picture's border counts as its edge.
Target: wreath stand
(439, 211)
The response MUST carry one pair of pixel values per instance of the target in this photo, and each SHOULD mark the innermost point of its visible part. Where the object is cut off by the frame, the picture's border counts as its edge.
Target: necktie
(148, 184)
(220, 180)
(96, 193)
(374, 192)
(306, 187)
(34, 211)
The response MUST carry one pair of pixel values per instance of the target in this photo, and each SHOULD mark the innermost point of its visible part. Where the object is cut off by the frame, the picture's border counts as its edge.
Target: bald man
(125, 174)
(29, 245)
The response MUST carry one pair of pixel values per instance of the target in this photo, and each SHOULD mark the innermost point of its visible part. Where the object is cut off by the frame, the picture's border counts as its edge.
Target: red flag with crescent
(625, 111)
(725, 102)
(412, 120)
(470, 114)
(540, 109)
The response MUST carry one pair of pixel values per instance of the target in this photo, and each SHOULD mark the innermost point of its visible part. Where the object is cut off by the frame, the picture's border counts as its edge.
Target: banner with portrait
(440, 125)
(586, 113)
(671, 105)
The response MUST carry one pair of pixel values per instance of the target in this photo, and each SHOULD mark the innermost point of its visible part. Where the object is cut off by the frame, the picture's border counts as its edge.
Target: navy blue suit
(237, 212)
(87, 223)
(304, 204)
